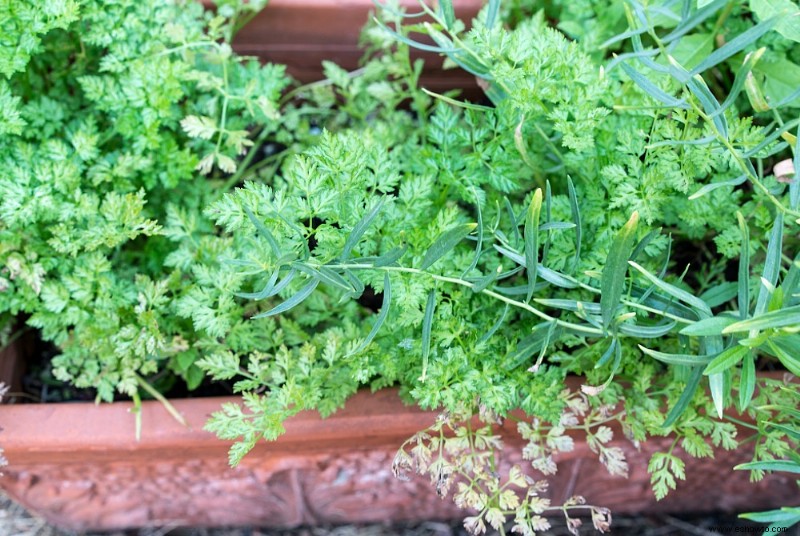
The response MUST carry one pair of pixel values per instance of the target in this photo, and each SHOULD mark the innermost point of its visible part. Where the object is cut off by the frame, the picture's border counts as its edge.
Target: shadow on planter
(303, 33)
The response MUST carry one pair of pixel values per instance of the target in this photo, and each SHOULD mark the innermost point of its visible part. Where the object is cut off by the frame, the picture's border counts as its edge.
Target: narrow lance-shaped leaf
(380, 319)
(698, 87)
(726, 360)
(652, 89)
(788, 358)
(261, 228)
(744, 79)
(607, 354)
(719, 294)
(685, 398)
(496, 326)
(427, 323)
(391, 257)
(648, 332)
(445, 243)
(735, 45)
(705, 9)
(491, 13)
(677, 359)
(479, 245)
(747, 381)
(708, 326)
(531, 237)
(772, 264)
(327, 276)
(295, 300)
(576, 217)
(790, 316)
(447, 13)
(264, 292)
(700, 307)
(359, 229)
(770, 465)
(548, 217)
(612, 281)
(744, 268)
(708, 188)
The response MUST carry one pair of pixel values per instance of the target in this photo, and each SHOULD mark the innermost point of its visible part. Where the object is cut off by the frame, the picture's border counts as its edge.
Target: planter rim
(373, 419)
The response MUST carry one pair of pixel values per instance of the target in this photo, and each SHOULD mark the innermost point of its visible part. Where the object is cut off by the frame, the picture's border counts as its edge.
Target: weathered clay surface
(80, 467)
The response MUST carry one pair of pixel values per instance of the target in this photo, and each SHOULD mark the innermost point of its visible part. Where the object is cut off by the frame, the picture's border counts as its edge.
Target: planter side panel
(285, 487)
(275, 491)
(303, 33)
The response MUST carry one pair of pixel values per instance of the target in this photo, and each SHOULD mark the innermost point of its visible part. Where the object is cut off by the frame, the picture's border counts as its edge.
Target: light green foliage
(587, 222)
(448, 228)
(102, 241)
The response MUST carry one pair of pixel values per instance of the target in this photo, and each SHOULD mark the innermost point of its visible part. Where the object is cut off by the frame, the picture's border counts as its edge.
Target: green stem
(456, 281)
(158, 396)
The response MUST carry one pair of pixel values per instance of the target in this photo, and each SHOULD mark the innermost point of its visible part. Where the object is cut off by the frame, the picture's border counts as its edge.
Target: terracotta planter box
(79, 465)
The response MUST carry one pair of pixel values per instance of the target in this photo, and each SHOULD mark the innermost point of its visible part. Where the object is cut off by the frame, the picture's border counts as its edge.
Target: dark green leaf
(774, 319)
(770, 465)
(445, 243)
(727, 359)
(380, 319)
(447, 13)
(653, 90)
(686, 397)
(488, 335)
(699, 305)
(295, 300)
(261, 228)
(427, 322)
(612, 281)
(531, 237)
(772, 264)
(647, 332)
(747, 382)
(708, 326)
(678, 359)
(359, 230)
(576, 217)
(735, 45)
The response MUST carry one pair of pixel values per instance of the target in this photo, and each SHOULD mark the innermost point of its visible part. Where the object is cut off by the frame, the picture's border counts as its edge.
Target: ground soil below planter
(15, 520)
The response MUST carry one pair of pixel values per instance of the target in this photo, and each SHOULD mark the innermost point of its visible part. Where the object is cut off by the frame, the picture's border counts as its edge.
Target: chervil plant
(623, 207)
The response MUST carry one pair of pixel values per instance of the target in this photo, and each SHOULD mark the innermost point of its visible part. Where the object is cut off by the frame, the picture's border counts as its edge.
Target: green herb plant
(611, 211)
(587, 221)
